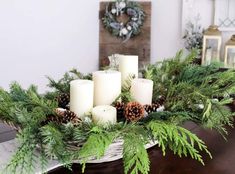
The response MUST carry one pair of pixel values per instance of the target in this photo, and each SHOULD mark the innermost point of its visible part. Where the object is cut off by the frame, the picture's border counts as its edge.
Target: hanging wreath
(119, 9)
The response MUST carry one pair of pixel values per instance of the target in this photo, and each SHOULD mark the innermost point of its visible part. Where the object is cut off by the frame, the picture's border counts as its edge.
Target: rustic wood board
(139, 45)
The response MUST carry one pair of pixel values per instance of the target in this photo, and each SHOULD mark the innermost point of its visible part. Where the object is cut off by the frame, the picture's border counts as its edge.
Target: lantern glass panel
(212, 52)
(231, 58)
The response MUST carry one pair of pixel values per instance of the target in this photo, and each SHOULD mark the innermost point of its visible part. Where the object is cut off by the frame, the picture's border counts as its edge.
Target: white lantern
(212, 41)
(229, 54)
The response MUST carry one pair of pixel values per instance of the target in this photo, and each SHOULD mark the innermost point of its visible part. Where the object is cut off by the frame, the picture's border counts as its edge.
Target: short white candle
(107, 87)
(104, 115)
(142, 91)
(128, 66)
(81, 96)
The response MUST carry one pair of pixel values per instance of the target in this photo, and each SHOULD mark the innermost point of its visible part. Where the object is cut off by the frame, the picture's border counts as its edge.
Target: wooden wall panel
(139, 45)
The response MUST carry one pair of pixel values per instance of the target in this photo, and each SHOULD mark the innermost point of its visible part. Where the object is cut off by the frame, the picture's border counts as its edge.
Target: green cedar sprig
(180, 140)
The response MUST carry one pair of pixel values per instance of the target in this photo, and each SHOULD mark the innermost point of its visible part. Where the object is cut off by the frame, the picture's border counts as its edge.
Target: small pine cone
(120, 109)
(62, 116)
(67, 116)
(134, 111)
(63, 100)
(70, 116)
(161, 100)
(152, 108)
(51, 118)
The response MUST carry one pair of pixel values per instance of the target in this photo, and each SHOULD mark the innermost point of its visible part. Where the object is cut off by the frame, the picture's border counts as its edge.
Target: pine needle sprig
(79, 75)
(6, 103)
(55, 146)
(173, 117)
(127, 83)
(221, 116)
(25, 159)
(165, 73)
(63, 84)
(181, 141)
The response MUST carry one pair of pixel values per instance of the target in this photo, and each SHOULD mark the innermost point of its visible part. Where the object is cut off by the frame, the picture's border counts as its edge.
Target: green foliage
(164, 73)
(62, 85)
(135, 156)
(192, 89)
(125, 95)
(220, 117)
(192, 93)
(24, 159)
(23, 107)
(173, 117)
(179, 140)
(96, 145)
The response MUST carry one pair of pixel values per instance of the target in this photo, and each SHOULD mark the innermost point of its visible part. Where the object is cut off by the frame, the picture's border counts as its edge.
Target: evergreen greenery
(192, 93)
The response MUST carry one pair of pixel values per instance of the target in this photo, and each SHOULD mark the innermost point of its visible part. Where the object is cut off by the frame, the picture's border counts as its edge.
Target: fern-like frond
(181, 141)
(96, 145)
(135, 156)
(25, 159)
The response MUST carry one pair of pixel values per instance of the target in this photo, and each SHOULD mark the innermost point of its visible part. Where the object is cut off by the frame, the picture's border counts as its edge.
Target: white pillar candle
(128, 66)
(81, 96)
(104, 114)
(208, 56)
(142, 91)
(107, 87)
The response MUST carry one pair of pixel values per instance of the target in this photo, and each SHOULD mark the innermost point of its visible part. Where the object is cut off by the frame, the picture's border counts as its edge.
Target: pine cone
(63, 116)
(134, 111)
(120, 106)
(152, 108)
(63, 100)
(161, 100)
(70, 116)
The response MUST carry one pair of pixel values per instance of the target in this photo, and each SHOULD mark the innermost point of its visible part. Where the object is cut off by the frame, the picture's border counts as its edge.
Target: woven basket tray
(113, 153)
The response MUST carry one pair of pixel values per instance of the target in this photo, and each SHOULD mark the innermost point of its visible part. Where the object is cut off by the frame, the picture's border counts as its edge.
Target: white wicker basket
(114, 152)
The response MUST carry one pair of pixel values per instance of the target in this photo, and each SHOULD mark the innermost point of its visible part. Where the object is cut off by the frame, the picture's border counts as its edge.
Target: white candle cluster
(105, 87)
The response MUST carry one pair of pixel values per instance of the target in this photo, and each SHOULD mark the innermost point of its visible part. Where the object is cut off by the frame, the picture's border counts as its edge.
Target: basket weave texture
(113, 153)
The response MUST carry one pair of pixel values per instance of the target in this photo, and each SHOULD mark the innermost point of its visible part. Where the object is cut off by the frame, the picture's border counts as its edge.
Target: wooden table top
(223, 161)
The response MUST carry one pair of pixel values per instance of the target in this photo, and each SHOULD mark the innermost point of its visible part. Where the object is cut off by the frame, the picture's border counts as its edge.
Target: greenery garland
(192, 93)
(120, 29)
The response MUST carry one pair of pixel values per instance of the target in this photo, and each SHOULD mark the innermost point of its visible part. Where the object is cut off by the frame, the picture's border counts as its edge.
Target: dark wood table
(223, 161)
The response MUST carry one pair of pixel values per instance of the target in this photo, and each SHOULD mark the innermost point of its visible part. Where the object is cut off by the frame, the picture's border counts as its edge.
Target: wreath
(120, 8)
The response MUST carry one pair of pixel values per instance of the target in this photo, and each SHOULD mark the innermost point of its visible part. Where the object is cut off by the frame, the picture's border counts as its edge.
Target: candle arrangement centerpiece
(108, 115)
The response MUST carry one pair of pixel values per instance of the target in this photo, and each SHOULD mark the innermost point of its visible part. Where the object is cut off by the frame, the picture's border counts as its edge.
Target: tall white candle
(142, 91)
(128, 66)
(104, 115)
(107, 87)
(81, 96)
(208, 56)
